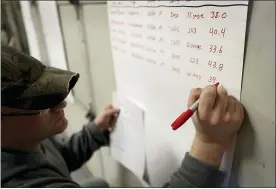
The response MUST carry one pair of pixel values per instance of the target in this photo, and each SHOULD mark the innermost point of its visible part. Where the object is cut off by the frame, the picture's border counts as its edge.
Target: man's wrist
(94, 126)
(208, 153)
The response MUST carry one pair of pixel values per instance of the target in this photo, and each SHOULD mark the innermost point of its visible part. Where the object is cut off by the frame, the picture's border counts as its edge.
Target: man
(32, 114)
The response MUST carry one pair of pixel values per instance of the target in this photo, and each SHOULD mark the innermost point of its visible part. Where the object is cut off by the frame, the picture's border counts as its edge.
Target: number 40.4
(214, 31)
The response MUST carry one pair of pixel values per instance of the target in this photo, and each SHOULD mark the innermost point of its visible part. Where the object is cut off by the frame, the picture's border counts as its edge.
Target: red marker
(187, 114)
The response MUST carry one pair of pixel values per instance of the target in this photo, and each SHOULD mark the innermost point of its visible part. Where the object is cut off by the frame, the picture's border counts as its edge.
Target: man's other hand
(107, 119)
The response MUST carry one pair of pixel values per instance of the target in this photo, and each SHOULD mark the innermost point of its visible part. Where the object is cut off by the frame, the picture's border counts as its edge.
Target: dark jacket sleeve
(194, 173)
(77, 149)
(42, 178)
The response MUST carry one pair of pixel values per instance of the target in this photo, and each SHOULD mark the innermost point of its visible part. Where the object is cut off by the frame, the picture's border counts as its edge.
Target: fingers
(111, 116)
(111, 112)
(109, 106)
(207, 100)
(230, 108)
(220, 105)
(230, 104)
(194, 96)
(219, 116)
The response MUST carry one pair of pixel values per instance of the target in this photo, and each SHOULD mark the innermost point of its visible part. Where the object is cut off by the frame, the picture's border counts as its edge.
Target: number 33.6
(213, 49)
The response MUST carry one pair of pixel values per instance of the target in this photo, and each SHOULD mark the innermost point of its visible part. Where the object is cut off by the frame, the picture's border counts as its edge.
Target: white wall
(254, 164)
(53, 37)
(77, 52)
(30, 29)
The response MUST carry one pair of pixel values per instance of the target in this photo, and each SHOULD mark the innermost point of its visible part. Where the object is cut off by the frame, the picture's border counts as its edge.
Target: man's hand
(217, 120)
(107, 119)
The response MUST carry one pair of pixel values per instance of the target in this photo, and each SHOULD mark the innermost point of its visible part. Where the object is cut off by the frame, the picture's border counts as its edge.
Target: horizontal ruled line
(171, 6)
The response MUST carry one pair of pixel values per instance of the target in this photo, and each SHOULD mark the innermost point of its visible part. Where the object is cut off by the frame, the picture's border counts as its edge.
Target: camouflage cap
(26, 83)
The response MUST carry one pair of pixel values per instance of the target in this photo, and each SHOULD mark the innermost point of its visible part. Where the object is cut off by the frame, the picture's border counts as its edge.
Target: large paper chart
(163, 49)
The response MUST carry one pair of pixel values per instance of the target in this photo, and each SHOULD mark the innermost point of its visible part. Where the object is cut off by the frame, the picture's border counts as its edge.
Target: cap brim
(50, 89)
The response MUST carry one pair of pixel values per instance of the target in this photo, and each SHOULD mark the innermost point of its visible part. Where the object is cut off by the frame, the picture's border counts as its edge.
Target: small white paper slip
(128, 137)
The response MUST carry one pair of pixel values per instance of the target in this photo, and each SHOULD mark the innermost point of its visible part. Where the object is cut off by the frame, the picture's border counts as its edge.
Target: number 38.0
(218, 14)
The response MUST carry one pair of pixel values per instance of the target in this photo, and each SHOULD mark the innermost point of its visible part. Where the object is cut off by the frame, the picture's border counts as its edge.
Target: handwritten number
(223, 31)
(213, 14)
(212, 79)
(194, 60)
(217, 14)
(192, 30)
(217, 32)
(211, 48)
(220, 50)
(215, 48)
(224, 15)
(214, 65)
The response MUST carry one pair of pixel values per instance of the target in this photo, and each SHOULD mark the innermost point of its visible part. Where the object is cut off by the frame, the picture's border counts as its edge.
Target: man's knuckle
(215, 120)
(228, 118)
(211, 91)
(230, 99)
(195, 91)
(204, 116)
